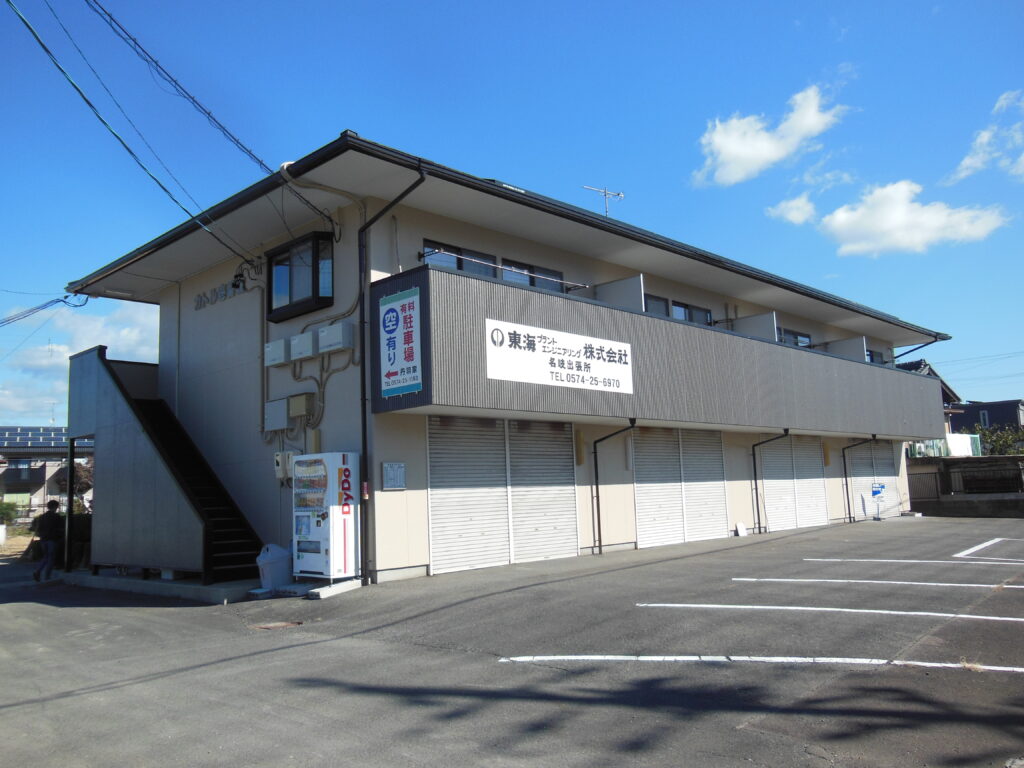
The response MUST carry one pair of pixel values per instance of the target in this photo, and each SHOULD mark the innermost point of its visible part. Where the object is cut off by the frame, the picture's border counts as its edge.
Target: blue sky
(870, 149)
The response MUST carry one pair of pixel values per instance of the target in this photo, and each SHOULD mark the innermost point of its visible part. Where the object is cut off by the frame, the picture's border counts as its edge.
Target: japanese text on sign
(401, 369)
(540, 356)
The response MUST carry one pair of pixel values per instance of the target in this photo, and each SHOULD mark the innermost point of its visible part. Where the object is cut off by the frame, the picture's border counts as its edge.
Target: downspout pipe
(597, 480)
(364, 340)
(753, 457)
(846, 478)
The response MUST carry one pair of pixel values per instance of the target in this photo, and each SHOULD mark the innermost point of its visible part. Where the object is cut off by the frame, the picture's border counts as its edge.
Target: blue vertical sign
(401, 365)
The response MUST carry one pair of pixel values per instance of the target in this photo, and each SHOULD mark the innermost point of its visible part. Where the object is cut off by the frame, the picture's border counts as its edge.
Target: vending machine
(325, 496)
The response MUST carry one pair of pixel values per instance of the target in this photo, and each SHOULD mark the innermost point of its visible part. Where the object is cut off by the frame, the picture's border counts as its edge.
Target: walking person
(48, 529)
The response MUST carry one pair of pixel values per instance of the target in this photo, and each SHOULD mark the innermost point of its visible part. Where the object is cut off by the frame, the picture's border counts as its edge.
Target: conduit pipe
(753, 456)
(846, 478)
(597, 481)
(364, 338)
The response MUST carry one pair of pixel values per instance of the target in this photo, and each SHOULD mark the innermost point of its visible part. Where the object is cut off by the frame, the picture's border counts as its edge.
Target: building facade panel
(678, 369)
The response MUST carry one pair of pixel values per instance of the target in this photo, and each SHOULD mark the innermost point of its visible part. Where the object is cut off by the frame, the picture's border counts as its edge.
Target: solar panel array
(25, 439)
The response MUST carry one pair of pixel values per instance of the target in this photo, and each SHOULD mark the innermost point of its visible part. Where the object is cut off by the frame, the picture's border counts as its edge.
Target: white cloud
(1008, 100)
(817, 176)
(980, 156)
(996, 144)
(797, 210)
(27, 402)
(129, 332)
(740, 148)
(38, 376)
(888, 219)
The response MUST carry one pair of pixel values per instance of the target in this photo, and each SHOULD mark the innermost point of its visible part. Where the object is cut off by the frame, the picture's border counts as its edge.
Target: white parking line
(879, 581)
(928, 614)
(989, 543)
(766, 660)
(875, 560)
(975, 548)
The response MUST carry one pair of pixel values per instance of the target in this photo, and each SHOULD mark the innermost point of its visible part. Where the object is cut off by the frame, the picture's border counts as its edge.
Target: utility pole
(603, 191)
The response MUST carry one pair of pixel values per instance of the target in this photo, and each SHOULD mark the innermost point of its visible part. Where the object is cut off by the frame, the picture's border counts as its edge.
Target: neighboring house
(30, 462)
(952, 444)
(996, 413)
(474, 343)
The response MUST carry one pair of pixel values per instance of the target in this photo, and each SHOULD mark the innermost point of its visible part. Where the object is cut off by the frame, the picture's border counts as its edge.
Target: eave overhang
(254, 219)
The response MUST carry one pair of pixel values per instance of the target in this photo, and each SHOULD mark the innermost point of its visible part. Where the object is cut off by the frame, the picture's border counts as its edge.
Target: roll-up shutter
(874, 462)
(658, 487)
(779, 484)
(885, 472)
(543, 480)
(469, 522)
(706, 516)
(809, 473)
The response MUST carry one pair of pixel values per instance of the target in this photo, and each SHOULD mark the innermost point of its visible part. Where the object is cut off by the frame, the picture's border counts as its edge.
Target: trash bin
(275, 565)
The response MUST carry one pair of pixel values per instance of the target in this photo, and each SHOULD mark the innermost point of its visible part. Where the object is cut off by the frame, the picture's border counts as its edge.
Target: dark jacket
(49, 526)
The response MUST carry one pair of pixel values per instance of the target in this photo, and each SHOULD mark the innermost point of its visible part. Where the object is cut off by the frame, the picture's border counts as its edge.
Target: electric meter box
(334, 337)
(275, 415)
(303, 346)
(275, 353)
(325, 515)
(300, 405)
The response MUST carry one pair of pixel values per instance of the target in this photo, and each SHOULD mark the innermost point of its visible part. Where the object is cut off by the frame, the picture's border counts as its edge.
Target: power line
(131, 122)
(1000, 356)
(116, 135)
(26, 313)
(157, 67)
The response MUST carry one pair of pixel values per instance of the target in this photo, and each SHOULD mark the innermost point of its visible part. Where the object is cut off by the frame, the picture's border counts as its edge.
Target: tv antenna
(603, 191)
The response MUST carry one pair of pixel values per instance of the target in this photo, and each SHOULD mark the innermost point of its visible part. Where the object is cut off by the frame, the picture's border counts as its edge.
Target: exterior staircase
(230, 545)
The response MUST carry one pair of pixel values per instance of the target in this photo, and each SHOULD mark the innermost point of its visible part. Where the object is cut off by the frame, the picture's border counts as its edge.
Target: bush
(8, 512)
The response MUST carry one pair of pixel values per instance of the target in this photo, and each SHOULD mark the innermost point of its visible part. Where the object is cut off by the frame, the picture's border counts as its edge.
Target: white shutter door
(885, 472)
(779, 485)
(809, 469)
(703, 485)
(543, 478)
(468, 494)
(658, 487)
(862, 475)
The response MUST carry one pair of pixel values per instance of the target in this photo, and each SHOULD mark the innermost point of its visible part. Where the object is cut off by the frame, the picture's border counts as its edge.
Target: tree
(8, 512)
(83, 477)
(1000, 440)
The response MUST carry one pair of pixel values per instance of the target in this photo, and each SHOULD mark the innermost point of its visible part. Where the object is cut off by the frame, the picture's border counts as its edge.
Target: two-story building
(475, 343)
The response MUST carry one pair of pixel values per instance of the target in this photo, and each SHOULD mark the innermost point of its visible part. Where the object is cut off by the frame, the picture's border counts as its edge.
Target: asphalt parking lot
(894, 643)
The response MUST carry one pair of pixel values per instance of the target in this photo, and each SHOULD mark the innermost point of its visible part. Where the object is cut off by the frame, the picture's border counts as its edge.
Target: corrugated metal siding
(885, 472)
(717, 377)
(874, 463)
(468, 494)
(543, 478)
(779, 485)
(704, 485)
(809, 471)
(658, 487)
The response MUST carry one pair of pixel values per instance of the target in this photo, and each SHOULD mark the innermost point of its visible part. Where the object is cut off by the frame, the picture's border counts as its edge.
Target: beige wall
(618, 510)
(401, 531)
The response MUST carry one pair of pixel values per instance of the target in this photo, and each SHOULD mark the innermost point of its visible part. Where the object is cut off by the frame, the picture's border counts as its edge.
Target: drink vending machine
(325, 496)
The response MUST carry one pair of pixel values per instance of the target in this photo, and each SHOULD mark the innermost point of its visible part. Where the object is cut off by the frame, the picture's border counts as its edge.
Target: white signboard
(878, 492)
(517, 352)
(401, 369)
